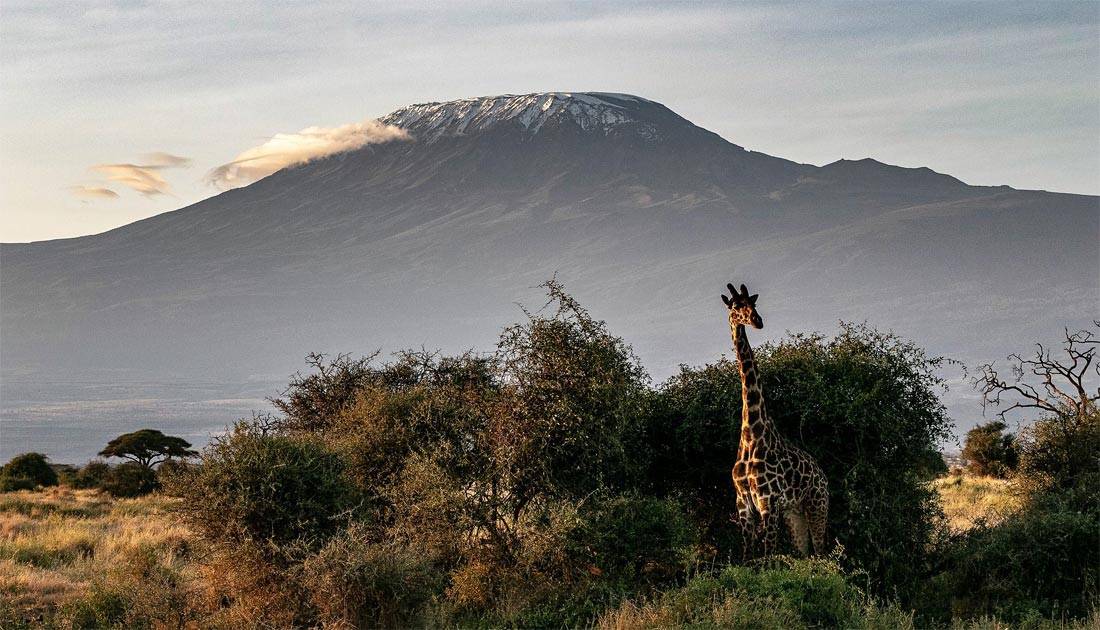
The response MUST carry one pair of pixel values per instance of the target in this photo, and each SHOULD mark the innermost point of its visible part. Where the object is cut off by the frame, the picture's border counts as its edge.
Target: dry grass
(54, 543)
(968, 500)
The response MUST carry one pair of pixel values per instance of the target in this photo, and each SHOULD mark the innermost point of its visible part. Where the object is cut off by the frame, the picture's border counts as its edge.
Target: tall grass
(968, 500)
(55, 544)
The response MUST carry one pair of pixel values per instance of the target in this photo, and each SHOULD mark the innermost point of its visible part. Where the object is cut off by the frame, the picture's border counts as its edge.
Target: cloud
(94, 192)
(144, 178)
(165, 160)
(287, 149)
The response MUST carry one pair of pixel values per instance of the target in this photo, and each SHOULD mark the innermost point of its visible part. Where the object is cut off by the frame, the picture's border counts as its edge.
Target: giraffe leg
(746, 519)
(817, 513)
(770, 530)
(799, 527)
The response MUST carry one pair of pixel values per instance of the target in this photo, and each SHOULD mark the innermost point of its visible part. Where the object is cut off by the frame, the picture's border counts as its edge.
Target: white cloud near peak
(288, 149)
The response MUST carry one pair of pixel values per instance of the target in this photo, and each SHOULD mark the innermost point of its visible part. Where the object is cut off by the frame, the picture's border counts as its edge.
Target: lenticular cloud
(287, 149)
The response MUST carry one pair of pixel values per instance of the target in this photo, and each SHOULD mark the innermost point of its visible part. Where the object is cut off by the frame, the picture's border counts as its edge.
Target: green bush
(932, 465)
(311, 402)
(140, 592)
(635, 539)
(92, 475)
(988, 450)
(576, 394)
(1060, 451)
(785, 593)
(129, 480)
(12, 484)
(170, 469)
(1043, 560)
(279, 494)
(26, 472)
(355, 582)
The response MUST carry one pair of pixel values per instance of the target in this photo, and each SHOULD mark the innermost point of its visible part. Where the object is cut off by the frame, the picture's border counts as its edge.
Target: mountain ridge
(406, 243)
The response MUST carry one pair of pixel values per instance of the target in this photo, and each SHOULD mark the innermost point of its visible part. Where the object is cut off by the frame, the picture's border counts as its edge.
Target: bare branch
(1061, 387)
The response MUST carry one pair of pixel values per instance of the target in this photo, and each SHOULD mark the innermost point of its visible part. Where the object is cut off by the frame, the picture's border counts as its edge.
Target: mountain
(643, 215)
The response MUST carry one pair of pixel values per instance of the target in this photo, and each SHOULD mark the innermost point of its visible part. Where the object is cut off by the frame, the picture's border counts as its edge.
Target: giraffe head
(742, 307)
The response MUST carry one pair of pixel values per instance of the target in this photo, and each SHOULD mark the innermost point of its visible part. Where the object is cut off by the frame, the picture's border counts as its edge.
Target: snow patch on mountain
(599, 112)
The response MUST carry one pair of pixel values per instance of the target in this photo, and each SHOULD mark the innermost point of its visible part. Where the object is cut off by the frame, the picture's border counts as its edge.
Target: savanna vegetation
(552, 484)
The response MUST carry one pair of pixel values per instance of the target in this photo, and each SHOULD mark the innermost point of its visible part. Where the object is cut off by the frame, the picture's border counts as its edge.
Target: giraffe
(771, 476)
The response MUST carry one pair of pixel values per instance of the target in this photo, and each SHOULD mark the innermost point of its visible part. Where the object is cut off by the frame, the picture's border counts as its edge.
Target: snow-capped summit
(599, 112)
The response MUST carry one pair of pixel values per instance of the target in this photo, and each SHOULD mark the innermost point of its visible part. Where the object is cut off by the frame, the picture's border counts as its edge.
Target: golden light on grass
(54, 543)
(968, 500)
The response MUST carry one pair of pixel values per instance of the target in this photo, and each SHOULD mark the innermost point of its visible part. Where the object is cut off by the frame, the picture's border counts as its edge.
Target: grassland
(56, 544)
(968, 500)
(58, 547)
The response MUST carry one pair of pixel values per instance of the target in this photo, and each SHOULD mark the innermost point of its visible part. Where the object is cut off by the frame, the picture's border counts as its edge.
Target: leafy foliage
(91, 475)
(26, 472)
(1060, 451)
(311, 401)
(988, 450)
(1041, 560)
(270, 493)
(786, 593)
(130, 479)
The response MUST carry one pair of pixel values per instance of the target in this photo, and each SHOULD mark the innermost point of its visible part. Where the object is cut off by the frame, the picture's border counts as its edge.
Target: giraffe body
(774, 479)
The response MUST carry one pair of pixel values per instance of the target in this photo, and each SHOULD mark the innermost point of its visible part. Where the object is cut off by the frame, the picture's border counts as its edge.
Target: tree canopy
(147, 447)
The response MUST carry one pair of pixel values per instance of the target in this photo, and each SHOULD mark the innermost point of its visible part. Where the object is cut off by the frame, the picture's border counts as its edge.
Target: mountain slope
(642, 214)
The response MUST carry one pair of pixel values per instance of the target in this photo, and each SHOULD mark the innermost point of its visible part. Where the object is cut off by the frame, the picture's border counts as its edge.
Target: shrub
(989, 451)
(576, 394)
(354, 582)
(129, 480)
(26, 472)
(932, 465)
(786, 593)
(279, 494)
(693, 437)
(66, 473)
(92, 475)
(1060, 451)
(12, 484)
(1043, 560)
(139, 592)
(635, 539)
(311, 402)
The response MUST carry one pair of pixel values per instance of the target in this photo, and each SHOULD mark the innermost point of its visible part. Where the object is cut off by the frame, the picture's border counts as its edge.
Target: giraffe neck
(754, 417)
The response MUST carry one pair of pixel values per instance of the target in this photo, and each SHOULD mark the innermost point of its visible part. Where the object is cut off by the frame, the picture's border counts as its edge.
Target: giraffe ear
(726, 300)
(752, 298)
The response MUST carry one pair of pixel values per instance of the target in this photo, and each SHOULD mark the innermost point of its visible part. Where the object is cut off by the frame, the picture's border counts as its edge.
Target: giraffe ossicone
(773, 478)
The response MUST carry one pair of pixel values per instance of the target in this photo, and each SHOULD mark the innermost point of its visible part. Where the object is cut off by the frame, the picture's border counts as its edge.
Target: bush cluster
(548, 481)
(1043, 560)
(988, 450)
(27, 472)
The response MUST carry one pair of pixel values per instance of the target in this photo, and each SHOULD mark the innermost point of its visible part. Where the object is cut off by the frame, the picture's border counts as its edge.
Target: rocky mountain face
(641, 214)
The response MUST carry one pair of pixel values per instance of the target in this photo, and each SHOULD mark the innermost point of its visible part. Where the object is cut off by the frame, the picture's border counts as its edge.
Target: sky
(111, 112)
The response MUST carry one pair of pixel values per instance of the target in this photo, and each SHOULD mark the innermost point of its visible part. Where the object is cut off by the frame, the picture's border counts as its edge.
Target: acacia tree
(147, 448)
